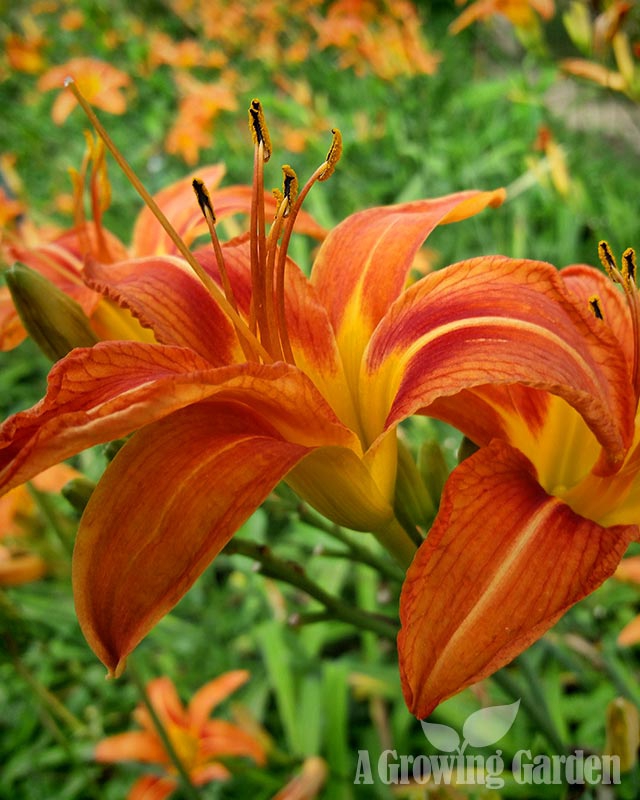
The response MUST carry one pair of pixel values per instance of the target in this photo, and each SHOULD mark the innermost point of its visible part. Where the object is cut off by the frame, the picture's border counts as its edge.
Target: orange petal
(501, 564)
(630, 634)
(629, 570)
(91, 398)
(166, 703)
(211, 694)
(166, 505)
(131, 746)
(585, 282)
(178, 203)
(594, 72)
(496, 320)
(164, 294)
(152, 787)
(363, 263)
(222, 738)
(19, 568)
(107, 391)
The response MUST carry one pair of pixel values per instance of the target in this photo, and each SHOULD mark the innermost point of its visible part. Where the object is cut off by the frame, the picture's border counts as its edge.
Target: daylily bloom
(198, 741)
(521, 13)
(541, 514)
(100, 82)
(276, 376)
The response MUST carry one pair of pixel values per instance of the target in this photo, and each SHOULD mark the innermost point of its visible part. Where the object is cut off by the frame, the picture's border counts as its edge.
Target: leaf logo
(482, 728)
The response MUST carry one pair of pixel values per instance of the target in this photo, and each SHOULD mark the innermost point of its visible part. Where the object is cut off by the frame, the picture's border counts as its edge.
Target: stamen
(629, 269)
(333, 156)
(595, 307)
(289, 188)
(626, 278)
(608, 261)
(206, 279)
(258, 128)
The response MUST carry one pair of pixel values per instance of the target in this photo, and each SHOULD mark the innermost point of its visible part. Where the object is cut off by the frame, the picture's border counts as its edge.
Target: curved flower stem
(48, 700)
(356, 552)
(395, 539)
(291, 573)
(189, 789)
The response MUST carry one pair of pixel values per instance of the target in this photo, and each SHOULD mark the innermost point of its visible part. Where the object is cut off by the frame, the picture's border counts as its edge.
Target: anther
(630, 266)
(608, 261)
(258, 128)
(594, 305)
(204, 199)
(333, 156)
(289, 188)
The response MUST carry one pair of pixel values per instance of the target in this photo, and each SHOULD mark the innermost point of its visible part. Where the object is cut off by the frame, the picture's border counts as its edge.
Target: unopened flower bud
(77, 492)
(622, 732)
(54, 321)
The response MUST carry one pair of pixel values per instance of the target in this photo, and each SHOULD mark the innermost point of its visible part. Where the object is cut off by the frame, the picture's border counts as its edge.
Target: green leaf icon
(441, 736)
(488, 725)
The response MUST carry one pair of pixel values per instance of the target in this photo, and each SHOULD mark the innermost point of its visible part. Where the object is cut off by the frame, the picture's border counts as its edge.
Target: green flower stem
(293, 574)
(357, 552)
(190, 790)
(395, 539)
(48, 700)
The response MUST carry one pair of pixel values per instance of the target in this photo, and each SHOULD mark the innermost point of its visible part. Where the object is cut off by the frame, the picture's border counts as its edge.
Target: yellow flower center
(185, 745)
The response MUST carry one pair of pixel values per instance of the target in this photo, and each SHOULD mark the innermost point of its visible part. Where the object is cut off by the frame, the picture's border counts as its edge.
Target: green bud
(622, 732)
(413, 504)
(54, 321)
(77, 492)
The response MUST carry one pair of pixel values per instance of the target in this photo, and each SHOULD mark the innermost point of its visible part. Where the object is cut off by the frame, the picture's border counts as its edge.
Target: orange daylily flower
(275, 377)
(199, 742)
(200, 104)
(521, 13)
(24, 52)
(99, 82)
(538, 517)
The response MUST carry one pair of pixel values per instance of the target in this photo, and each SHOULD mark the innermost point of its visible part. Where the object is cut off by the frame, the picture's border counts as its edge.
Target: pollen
(204, 199)
(333, 156)
(629, 267)
(608, 261)
(258, 128)
(289, 187)
(595, 307)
